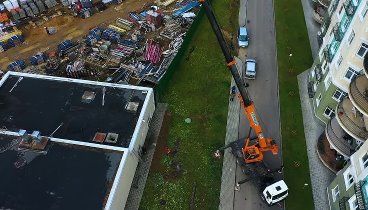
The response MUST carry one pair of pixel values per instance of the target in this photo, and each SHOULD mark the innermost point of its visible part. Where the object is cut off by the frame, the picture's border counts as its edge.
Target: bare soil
(156, 166)
(68, 27)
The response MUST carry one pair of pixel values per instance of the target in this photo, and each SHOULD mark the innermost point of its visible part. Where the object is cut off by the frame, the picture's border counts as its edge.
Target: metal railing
(341, 144)
(359, 194)
(349, 124)
(359, 98)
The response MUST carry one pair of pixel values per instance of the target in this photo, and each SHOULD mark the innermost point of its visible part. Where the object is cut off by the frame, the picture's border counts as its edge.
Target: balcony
(360, 188)
(351, 120)
(327, 54)
(324, 3)
(365, 65)
(325, 25)
(358, 93)
(339, 139)
(350, 8)
(328, 156)
(334, 5)
(319, 14)
(339, 35)
(342, 203)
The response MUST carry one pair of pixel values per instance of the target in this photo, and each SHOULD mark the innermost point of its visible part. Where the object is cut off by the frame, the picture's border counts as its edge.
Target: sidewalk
(227, 192)
(320, 176)
(141, 173)
(312, 26)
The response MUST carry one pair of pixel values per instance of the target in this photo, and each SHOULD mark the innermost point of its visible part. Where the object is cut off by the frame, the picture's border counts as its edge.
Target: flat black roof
(67, 177)
(43, 104)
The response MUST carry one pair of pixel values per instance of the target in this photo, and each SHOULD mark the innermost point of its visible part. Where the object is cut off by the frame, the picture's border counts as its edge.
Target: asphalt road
(263, 91)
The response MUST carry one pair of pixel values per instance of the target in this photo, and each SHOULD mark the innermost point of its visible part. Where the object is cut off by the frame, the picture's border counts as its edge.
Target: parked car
(243, 37)
(250, 69)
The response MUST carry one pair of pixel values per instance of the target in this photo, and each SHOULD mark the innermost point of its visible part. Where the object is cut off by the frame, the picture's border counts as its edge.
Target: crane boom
(251, 153)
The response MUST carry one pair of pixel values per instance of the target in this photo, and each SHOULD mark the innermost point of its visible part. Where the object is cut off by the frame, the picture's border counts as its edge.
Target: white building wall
(356, 161)
(144, 119)
(123, 181)
(348, 51)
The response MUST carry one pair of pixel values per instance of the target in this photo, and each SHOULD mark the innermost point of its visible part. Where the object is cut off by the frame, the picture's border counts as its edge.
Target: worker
(233, 91)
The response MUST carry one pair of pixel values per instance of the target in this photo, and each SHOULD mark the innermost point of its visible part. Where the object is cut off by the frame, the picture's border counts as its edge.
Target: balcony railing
(365, 64)
(350, 8)
(327, 54)
(359, 194)
(339, 35)
(333, 7)
(359, 95)
(351, 125)
(318, 72)
(339, 139)
(342, 203)
(325, 25)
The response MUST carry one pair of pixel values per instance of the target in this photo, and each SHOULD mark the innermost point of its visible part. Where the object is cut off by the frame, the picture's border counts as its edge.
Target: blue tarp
(186, 8)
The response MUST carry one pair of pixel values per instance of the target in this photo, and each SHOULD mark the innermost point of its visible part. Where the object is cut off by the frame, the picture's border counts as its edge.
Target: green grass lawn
(198, 90)
(292, 38)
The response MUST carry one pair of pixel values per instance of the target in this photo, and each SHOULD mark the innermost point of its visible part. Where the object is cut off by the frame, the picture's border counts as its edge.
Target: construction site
(130, 42)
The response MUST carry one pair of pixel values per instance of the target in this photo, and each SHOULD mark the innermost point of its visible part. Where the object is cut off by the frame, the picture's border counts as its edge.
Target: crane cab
(252, 154)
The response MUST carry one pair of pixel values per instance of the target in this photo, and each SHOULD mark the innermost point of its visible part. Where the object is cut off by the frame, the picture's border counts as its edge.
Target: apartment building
(338, 83)
(340, 58)
(349, 190)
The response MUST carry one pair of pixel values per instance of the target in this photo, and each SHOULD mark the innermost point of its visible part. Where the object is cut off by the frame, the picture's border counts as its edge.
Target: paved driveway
(263, 91)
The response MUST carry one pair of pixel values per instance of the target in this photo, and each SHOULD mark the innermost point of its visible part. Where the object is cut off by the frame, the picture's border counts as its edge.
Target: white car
(243, 37)
(250, 69)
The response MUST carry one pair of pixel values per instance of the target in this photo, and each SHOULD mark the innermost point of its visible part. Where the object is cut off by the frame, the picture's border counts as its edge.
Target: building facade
(338, 84)
(349, 190)
(340, 58)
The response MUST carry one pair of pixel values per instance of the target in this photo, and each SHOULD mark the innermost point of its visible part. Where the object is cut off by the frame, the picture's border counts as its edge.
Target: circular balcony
(328, 156)
(338, 139)
(358, 93)
(319, 13)
(351, 120)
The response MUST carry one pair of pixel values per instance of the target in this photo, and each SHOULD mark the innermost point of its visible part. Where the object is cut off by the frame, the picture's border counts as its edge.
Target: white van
(275, 192)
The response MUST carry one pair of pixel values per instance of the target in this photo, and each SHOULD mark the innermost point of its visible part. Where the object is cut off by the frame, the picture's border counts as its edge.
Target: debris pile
(133, 49)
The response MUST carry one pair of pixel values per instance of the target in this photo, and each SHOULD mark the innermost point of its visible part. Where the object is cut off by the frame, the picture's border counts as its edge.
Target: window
(362, 50)
(350, 73)
(351, 37)
(348, 178)
(339, 61)
(318, 99)
(364, 10)
(364, 160)
(353, 203)
(338, 95)
(329, 113)
(335, 193)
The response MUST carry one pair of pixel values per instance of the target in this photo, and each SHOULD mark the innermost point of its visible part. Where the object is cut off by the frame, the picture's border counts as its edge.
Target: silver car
(250, 69)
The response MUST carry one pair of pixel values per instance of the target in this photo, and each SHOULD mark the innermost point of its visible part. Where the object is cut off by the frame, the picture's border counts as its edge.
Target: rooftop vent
(88, 96)
(278, 188)
(112, 138)
(132, 106)
(99, 137)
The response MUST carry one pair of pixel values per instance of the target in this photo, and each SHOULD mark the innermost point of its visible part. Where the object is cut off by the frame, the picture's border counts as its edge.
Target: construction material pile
(137, 48)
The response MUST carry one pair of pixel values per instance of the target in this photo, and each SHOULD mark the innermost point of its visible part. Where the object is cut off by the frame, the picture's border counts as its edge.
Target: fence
(161, 88)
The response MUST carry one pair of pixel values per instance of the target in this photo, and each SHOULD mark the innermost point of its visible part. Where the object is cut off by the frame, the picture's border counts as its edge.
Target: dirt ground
(156, 166)
(68, 27)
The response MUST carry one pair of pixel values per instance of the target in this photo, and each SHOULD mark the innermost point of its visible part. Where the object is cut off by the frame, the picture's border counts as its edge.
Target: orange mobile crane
(250, 154)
